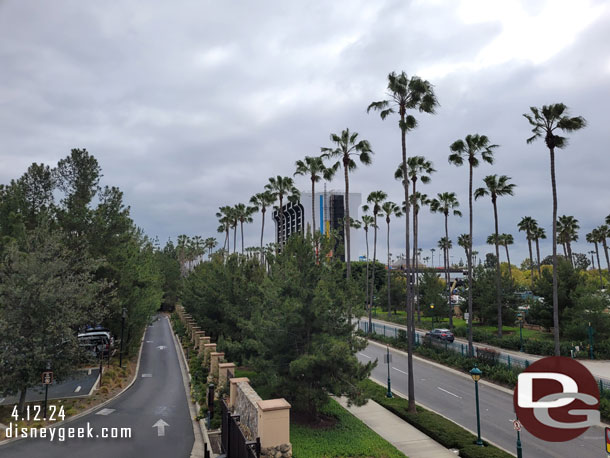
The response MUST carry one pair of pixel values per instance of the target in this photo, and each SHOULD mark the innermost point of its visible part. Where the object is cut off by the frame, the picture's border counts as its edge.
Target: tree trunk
(389, 297)
(366, 237)
(599, 267)
(417, 276)
(498, 272)
(529, 244)
(234, 238)
(606, 253)
(415, 263)
(569, 245)
(263, 210)
(241, 228)
(409, 308)
(555, 289)
(538, 257)
(510, 273)
(447, 276)
(347, 220)
(372, 291)
(313, 206)
(470, 345)
(21, 405)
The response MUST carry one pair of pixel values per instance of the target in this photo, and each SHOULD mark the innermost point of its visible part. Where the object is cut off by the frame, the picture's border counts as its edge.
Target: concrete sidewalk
(599, 368)
(406, 438)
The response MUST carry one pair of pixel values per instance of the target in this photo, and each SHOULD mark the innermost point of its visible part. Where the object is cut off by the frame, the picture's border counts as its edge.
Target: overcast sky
(189, 105)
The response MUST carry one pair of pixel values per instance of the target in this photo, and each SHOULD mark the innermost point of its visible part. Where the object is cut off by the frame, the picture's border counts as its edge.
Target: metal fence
(506, 359)
(234, 443)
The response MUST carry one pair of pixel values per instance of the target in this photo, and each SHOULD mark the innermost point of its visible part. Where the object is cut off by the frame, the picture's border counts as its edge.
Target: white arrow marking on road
(160, 425)
(362, 354)
(449, 392)
(402, 372)
(77, 389)
(161, 347)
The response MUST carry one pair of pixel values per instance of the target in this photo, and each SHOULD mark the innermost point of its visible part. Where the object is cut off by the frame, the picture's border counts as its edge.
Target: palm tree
(432, 250)
(281, 187)
(545, 122)
(594, 237)
(314, 168)
(346, 147)
(538, 233)
(446, 203)
(445, 244)
(470, 149)
(418, 200)
(210, 243)
(367, 221)
(604, 233)
(224, 218)
(567, 232)
(375, 198)
(496, 187)
(464, 242)
(260, 202)
(507, 239)
(529, 225)
(390, 209)
(244, 215)
(407, 94)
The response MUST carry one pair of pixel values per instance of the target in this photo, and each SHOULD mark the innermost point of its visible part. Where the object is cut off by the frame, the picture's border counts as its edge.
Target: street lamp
(388, 360)
(520, 319)
(123, 316)
(476, 373)
(432, 309)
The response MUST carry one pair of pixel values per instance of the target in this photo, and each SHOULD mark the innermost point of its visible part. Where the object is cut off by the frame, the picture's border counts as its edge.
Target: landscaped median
(435, 426)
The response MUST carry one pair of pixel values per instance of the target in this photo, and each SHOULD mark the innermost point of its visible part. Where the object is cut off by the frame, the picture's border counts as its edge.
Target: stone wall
(246, 406)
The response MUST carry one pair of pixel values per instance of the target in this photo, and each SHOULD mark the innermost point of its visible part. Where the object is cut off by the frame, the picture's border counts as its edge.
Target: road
(452, 395)
(157, 394)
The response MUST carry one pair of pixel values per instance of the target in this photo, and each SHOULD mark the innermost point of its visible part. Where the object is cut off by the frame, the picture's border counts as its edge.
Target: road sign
(516, 425)
(47, 378)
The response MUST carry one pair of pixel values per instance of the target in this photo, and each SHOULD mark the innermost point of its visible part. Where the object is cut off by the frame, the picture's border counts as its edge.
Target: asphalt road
(157, 394)
(76, 386)
(453, 396)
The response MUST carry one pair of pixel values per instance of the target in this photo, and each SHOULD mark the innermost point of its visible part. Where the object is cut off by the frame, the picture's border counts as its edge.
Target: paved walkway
(599, 368)
(406, 438)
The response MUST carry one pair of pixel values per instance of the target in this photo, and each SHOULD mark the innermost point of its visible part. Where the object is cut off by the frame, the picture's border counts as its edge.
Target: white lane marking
(105, 412)
(146, 375)
(161, 347)
(149, 341)
(362, 354)
(449, 392)
(160, 425)
(78, 388)
(402, 372)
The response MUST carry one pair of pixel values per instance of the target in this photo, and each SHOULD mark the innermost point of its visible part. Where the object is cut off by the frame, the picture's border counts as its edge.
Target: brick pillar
(194, 334)
(223, 369)
(215, 358)
(202, 342)
(198, 336)
(233, 388)
(274, 427)
(207, 349)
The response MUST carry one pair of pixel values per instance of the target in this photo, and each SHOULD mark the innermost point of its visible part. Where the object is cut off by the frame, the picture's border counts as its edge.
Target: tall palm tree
(506, 240)
(464, 242)
(390, 209)
(244, 215)
(604, 233)
(445, 244)
(546, 121)
(376, 199)
(407, 94)
(594, 237)
(496, 187)
(529, 225)
(234, 219)
(418, 200)
(567, 232)
(224, 218)
(210, 243)
(538, 233)
(446, 203)
(346, 147)
(367, 221)
(281, 187)
(260, 202)
(314, 168)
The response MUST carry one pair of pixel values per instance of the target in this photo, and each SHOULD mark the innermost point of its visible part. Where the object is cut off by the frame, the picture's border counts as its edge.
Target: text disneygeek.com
(61, 433)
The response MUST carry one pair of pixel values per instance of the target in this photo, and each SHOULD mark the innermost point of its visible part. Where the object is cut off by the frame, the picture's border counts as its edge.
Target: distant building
(329, 207)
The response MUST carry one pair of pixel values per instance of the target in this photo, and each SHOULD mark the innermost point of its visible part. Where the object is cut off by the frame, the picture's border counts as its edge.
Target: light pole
(388, 360)
(520, 319)
(519, 448)
(123, 316)
(432, 250)
(476, 373)
(432, 309)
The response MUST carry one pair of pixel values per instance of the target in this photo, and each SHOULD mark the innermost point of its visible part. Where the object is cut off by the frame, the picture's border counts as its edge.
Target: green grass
(437, 427)
(349, 437)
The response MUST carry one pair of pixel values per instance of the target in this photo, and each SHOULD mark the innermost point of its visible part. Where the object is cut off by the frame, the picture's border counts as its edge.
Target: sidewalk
(599, 368)
(406, 438)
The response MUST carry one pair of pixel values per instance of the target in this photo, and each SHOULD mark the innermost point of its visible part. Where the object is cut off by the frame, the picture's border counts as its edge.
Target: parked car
(96, 341)
(441, 334)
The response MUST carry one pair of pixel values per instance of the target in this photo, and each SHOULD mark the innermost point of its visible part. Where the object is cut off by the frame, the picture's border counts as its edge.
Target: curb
(91, 409)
